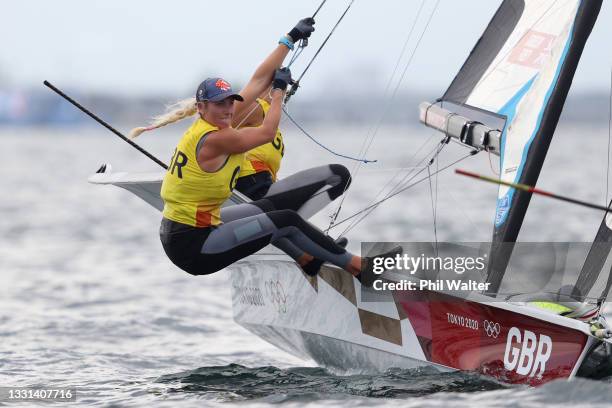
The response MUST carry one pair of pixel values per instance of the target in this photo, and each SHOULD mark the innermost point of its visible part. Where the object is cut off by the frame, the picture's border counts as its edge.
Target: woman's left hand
(282, 78)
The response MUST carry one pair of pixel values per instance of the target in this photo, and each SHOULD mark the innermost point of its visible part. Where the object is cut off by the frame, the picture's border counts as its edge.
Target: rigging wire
(472, 153)
(430, 157)
(303, 43)
(371, 132)
(414, 168)
(296, 83)
(384, 169)
(314, 57)
(371, 135)
(436, 204)
(433, 153)
(459, 207)
(609, 140)
(437, 149)
(401, 79)
(319, 8)
(433, 208)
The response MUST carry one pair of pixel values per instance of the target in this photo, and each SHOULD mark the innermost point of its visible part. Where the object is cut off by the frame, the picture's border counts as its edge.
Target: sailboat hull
(329, 320)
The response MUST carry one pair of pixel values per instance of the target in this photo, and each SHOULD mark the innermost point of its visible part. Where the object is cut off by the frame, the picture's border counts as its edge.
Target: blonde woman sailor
(196, 234)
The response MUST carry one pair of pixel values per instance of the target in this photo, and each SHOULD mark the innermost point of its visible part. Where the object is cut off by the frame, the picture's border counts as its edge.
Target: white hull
(280, 304)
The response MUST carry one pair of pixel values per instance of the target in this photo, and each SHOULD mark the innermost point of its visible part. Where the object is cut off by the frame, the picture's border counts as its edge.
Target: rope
(296, 53)
(256, 105)
(322, 145)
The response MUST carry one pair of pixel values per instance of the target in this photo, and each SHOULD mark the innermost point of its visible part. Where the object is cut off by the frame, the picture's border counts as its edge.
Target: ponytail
(175, 112)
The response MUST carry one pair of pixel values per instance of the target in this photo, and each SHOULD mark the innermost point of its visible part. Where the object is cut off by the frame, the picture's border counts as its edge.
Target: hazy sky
(150, 47)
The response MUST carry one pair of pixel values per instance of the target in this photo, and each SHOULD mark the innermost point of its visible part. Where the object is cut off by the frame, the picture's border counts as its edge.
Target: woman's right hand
(263, 75)
(302, 29)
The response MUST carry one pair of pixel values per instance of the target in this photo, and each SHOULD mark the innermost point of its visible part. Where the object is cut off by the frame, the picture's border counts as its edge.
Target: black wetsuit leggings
(276, 219)
(255, 186)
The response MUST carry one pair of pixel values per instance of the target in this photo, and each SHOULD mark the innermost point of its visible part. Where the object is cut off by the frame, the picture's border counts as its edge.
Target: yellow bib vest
(266, 157)
(191, 195)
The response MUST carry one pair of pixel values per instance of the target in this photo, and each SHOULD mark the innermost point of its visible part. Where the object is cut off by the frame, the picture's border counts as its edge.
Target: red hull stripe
(513, 347)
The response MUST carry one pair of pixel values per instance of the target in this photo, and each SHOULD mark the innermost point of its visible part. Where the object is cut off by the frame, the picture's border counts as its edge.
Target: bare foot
(354, 266)
(304, 259)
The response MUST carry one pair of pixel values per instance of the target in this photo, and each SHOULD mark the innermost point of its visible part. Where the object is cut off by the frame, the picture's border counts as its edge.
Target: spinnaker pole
(103, 123)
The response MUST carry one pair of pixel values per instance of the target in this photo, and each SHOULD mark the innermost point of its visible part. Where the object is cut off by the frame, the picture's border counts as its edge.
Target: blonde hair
(174, 112)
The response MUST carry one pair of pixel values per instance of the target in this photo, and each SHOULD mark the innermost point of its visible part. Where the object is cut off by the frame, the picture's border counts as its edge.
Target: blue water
(89, 300)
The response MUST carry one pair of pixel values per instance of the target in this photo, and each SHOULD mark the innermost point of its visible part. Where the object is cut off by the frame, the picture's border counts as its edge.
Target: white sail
(521, 70)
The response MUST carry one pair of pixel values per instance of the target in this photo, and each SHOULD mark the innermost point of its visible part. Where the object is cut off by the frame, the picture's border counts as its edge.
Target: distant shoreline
(18, 108)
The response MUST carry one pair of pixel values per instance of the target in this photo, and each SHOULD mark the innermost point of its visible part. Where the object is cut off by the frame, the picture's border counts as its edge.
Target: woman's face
(218, 113)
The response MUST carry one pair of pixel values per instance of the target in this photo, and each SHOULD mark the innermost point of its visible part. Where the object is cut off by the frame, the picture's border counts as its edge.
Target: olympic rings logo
(276, 293)
(492, 329)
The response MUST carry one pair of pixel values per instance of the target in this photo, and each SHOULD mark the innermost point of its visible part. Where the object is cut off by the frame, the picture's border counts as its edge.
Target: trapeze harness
(200, 237)
(261, 164)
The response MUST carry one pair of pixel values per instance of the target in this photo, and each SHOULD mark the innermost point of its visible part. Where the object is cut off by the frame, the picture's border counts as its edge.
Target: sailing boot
(367, 275)
(312, 268)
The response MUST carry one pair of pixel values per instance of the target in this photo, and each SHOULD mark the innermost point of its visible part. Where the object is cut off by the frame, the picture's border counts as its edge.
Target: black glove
(282, 78)
(302, 30)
